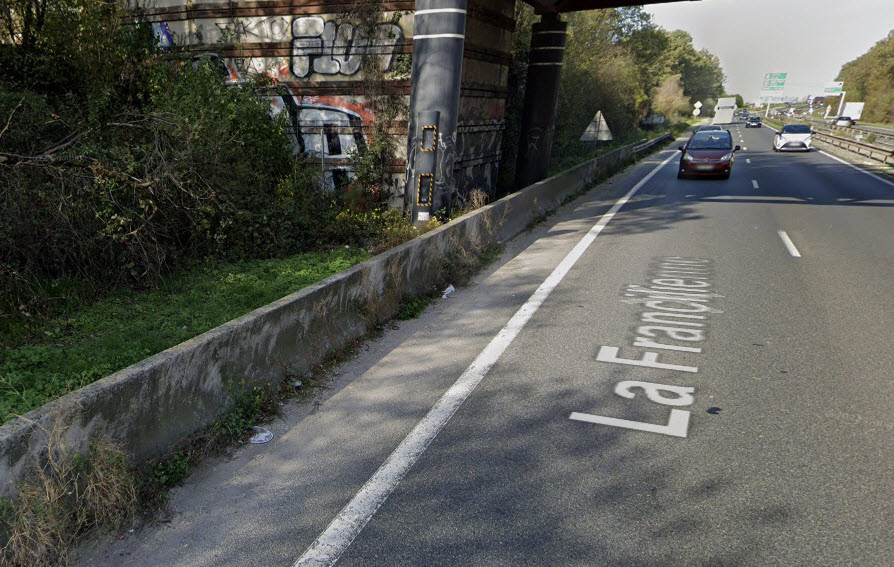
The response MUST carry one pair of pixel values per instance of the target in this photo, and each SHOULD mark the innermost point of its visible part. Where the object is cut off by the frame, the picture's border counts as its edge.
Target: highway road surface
(664, 373)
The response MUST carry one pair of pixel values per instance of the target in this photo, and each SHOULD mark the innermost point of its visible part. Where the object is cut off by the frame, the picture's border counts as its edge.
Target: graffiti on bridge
(328, 48)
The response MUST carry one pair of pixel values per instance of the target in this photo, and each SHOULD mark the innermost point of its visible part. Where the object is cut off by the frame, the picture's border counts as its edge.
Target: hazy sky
(808, 39)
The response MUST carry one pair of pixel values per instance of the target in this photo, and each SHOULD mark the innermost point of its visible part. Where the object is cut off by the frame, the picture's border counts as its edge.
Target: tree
(669, 100)
(870, 78)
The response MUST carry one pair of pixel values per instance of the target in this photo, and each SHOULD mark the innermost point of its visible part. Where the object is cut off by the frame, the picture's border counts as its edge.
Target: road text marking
(754, 184)
(351, 520)
(677, 299)
(789, 244)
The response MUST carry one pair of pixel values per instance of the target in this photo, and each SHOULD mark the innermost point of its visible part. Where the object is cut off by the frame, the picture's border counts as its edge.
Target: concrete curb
(149, 406)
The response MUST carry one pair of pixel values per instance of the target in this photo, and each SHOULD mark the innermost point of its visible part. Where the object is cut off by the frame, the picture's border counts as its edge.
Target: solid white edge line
(348, 524)
(788, 243)
(860, 169)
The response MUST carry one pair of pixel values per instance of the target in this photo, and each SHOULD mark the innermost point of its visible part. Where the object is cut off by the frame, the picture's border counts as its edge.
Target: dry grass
(69, 494)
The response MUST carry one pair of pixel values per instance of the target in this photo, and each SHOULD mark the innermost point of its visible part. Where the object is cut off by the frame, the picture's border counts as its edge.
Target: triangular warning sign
(597, 130)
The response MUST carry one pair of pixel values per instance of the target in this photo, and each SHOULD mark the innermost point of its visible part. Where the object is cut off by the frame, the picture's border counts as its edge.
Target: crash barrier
(148, 407)
(858, 134)
(884, 155)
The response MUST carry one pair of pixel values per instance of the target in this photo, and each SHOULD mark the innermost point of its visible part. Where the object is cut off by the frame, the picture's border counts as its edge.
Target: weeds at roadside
(66, 495)
(411, 308)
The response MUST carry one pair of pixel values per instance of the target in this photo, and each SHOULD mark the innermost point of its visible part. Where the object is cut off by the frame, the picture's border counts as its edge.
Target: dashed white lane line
(348, 524)
(789, 244)
(754, 184)
(747, 160)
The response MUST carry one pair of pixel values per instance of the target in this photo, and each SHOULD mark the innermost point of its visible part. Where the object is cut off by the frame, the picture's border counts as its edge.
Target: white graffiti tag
(328, 48)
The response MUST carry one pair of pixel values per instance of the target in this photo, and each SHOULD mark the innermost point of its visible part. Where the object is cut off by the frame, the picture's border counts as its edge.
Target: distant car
(793, 137)
(709, 153)
(753, 122)
(709, 128)
(844, 121)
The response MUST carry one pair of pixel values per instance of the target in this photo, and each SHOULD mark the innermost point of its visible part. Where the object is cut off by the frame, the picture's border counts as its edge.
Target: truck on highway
(723, 111)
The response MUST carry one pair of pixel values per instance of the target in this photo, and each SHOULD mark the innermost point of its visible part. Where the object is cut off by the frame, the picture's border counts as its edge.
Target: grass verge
(93, 341)
(72, 493)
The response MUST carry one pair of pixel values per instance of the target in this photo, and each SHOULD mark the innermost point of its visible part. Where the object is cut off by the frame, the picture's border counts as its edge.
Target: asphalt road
(765, 438)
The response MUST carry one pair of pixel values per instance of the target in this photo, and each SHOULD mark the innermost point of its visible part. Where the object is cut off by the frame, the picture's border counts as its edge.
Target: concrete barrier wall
(149, 406)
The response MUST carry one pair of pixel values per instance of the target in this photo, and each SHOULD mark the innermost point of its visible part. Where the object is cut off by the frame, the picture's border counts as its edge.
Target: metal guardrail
(884, 155)
(648, 144)
(856, 133)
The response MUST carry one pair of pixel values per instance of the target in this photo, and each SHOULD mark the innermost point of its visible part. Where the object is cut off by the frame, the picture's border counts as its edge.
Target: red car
(708, 153)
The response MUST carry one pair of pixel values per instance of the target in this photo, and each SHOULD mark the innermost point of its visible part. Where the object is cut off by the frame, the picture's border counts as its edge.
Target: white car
(792, 137)
(844, 121)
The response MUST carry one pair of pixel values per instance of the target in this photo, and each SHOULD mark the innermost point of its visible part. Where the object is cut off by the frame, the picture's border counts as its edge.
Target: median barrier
(884, 155)
(149, 406)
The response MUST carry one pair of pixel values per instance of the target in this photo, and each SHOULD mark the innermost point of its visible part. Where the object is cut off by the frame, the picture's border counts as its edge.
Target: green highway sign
(774, 82)
(833, 88)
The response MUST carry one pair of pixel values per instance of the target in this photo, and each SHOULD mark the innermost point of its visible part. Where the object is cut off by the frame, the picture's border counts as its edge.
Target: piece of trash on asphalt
(297, 384)
(450, 289)
(262, 435)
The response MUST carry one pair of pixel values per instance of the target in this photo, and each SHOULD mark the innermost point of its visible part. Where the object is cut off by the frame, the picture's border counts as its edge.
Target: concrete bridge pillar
(438, 41)
(541, 99)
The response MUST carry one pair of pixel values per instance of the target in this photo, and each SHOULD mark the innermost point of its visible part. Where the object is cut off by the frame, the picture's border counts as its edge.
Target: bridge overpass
(454, 92)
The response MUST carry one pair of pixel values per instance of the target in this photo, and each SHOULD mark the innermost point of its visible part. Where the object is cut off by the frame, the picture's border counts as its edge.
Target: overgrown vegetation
(61, 500)
(52, 357)
(70, 493)
(870, 78)
(627, 66)
(121, 171)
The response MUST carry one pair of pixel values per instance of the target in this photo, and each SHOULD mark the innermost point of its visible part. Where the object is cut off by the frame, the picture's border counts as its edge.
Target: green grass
(88, 343)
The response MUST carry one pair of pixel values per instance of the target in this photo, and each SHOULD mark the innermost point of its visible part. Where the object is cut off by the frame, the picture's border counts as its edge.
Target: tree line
(622, 63)
(870, 79)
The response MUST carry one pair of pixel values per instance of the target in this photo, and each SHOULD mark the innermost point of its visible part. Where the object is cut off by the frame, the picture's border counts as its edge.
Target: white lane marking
(861, 170)
(788, 244)
(348, 524)
(677, 425)
(747, 160)
(754, 184)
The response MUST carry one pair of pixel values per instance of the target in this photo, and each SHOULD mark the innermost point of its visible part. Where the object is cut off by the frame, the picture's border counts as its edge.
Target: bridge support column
(541, 99)
(438, 41)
